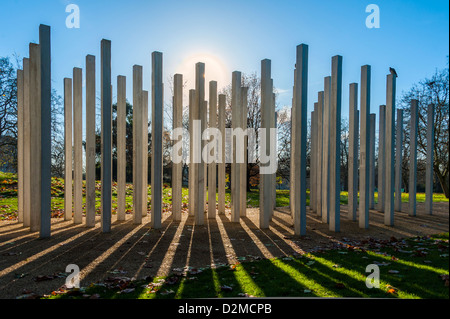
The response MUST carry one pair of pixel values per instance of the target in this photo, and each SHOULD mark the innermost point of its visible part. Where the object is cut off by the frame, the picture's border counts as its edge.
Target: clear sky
(235, 36)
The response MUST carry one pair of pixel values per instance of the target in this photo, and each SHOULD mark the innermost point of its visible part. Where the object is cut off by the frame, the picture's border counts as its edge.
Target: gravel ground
(32, 265)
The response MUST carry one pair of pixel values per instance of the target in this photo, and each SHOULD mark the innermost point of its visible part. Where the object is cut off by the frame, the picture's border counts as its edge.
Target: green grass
(333, 273)
(8, 197)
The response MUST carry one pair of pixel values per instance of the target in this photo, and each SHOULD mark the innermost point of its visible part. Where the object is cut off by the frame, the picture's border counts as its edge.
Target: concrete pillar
(78, 145)
(46, 139)
(236, 109)
(145, 183)
(243, 168)
(353, 152)
(326, 151)
(398, 161)
(157, 137)
(221, 165)
(381, 157)
(90, 141)
(177, 181)
(192, 165)
(68, 187)
(26, 143)
(212, 165)
(390, 149)
(265, 200)
(312, 161)
(413, 157)
(429, 172)
(138, 165)
(372, 161)
(319, 151)
(291, 166)
(121, 146)
(204, 118)
(274, 175)
(357, 152)
(35, 137)
(299, 139)
(20, 149)
(106, 147)
(335, 142)
(364, 163)
(199, 115)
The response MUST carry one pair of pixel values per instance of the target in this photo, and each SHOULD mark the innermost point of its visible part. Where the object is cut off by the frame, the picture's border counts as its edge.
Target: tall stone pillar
(299, 154)
(236, 116)
(177, 167)
(243, 168)
(78, 145)
(157, 136)
(274, 175)
(192, 164)
(204, 119)
(199, 115)
(90, 141)
(372, 162)
(265, 201)
(121, 146)
(335, 142)
(20, 148)
(429, 172)
(221, 166)
(292, 145)
(381, 157)
(398, 161)
(364, 164)
(390, 149)
(68, 187)
(413, 157)
(138, 165)
(46, 139)
(144, 106)
(353, 152)
(106, 146)
(35, 140)
(212, 164)
(326, 151)
(319, 151)
(26, 143)
(312, 161)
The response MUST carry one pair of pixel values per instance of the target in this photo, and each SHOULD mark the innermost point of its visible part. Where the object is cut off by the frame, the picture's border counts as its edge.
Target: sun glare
(215, 70)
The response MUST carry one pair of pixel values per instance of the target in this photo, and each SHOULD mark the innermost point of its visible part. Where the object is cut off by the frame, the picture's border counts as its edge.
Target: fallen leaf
(339, 285)
(226, 288)
(392, 291)
(126, 291)
(391, 271)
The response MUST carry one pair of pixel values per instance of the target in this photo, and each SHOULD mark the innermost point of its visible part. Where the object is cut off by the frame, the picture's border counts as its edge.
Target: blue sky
(236, 36)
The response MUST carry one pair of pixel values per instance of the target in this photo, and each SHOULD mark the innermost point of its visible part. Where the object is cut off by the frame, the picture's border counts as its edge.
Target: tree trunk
(442, 180)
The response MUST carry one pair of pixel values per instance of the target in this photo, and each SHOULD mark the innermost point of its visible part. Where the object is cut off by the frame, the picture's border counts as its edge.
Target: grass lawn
(413, 268)
(8, 197)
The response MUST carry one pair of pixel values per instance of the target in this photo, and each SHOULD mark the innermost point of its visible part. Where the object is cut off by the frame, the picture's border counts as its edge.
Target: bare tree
(434, 90)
